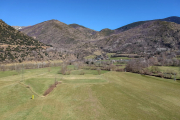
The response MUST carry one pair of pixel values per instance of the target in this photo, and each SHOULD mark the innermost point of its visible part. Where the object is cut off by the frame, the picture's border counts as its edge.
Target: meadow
(107, 96)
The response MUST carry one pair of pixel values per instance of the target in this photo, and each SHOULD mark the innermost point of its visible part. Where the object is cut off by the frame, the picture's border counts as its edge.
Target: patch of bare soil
(51, 87)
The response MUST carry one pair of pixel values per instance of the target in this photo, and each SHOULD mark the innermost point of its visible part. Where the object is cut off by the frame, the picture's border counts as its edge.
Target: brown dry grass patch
(51, 87)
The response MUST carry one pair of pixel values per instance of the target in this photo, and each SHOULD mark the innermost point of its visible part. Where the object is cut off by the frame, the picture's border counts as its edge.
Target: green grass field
(109, 56)
(90, 57)
(108, 96)
(119, 58)
(173, 69)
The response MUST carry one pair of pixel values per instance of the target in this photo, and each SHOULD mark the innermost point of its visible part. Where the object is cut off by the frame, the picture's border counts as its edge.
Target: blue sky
(94, 14)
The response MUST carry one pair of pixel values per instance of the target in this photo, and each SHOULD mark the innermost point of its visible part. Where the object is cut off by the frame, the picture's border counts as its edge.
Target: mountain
(17, 47)
(138, 37)
(174, 19)
(149, 37)
(19, 27)
(106, 32)
(76, 26)
(59, 34)
(62, 35)
(86, 31)
(129, 26)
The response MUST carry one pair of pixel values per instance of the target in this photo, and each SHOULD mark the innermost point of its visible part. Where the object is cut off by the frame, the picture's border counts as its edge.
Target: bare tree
(99, 70)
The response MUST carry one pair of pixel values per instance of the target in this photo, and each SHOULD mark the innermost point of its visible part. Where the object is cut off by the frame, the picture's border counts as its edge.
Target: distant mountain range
(151, 37)
(62, 35)
(143, 36)
(174, 19)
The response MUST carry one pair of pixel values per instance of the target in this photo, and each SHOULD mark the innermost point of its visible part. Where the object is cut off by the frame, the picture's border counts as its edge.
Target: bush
(106, 67)
(155, 69)
(63, 69)
(137, 66)
(146, 71)
(120, 70)
(81, 72)
(68, 72)
(160, 75)
(98, 70)
(112, 67)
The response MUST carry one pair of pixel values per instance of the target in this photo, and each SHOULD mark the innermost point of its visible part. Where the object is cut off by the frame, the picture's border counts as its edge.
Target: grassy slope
(117, 96)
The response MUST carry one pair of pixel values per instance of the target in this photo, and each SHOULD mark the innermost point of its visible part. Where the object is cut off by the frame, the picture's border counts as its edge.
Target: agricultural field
(109, 95)
(171, 69)
(90, 57)
(120, 58)
(109, 56)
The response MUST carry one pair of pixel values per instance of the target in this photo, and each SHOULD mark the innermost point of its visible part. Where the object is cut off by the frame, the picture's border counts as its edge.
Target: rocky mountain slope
(138, 37)
(17, 47)
(60, 34)
(87, 32)
(149, 37)
(174, 19)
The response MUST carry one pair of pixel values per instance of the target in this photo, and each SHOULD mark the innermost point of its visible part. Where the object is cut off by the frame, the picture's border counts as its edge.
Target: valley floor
(109, 96)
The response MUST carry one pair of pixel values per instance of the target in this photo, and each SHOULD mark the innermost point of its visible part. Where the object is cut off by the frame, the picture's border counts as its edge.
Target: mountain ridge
(149, 34)
(60, 34)
(15, 46)
(71, 37)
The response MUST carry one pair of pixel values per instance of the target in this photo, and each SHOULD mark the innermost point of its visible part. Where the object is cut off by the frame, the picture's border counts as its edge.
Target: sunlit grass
(7, 73)
(110, 95)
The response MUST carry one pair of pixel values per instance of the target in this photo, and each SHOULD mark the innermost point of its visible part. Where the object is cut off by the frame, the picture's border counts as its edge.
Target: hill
(144, 36)
(106, 32)
(17, 47)
(148, 37)
(174, 19)
(129, 26)
(59, 34)
(89, 33)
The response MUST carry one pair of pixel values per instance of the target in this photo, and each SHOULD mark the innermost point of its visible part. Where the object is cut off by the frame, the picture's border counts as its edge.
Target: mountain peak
(74, 25)
(175, 19)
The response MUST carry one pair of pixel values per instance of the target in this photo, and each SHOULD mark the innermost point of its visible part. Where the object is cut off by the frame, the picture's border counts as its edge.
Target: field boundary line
(9, 85)
(27, 86)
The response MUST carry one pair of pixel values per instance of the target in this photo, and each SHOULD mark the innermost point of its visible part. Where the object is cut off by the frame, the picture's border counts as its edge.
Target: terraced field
(108, 96)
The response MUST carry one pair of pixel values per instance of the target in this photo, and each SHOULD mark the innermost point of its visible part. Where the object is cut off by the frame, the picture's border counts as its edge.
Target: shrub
(160, 75)
(168, 74)
(63, 69)
(147, 71)
(120, 70)
(112, 67)
(155, 69)
(68, 72)
(98, 70)
(81, 72)
(137, 66)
